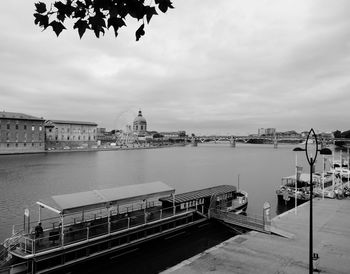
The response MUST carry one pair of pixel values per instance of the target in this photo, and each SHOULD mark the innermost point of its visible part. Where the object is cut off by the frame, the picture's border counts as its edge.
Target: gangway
(256, 223)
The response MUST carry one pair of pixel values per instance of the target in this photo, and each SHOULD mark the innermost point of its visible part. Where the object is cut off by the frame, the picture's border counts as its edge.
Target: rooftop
(18, 116)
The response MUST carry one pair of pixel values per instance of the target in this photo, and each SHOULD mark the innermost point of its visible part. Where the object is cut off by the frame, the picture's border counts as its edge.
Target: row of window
(68, 138)
(8, 136)
(25, 127)
(191, 203)
(74, 130)
(21, 144)
(141, 127)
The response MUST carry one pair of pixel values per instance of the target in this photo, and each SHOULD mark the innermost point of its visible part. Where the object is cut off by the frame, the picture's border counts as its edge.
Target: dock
(286, 249)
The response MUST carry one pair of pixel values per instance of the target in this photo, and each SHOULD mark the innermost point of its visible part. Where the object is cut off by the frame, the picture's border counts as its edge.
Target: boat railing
(54, 222)
(80, 232)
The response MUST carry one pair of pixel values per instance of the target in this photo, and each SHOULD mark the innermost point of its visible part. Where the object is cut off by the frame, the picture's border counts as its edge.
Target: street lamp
(312, 160)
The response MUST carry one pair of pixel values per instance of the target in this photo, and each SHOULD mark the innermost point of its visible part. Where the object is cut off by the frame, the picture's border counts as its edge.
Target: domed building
(140, 125)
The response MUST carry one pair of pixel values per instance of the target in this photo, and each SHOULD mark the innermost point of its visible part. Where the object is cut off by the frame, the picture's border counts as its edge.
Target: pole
(310, 237)
(348, 167)
(296, 183)
(238, 183)
(333, 178)
(323, 169)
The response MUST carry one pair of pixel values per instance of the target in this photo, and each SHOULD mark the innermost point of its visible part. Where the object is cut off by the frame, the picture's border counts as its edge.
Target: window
(7, 136)
(24, 144)
(16, 144)
(33, 128)
(32, 144)
(67, 137)
(8, 126)
(78, 137)
(8, 145)
(62, 137)
(25, 127)
(16, 126)
(89, 138)
(50, 130)
(40, 128)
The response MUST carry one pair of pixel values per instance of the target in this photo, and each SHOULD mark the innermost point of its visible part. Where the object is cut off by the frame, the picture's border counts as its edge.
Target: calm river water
(25, 179)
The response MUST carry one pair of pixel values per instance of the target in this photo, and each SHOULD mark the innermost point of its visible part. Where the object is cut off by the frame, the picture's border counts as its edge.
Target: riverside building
(21, 133)
(70, 134)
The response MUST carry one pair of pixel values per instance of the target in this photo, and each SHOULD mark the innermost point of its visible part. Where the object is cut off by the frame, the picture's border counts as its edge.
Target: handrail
(87, 230)
(250, 221)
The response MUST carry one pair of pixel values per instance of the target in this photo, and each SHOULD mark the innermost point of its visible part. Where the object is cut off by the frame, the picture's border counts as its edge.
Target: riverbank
(275, 254)
(116, 148)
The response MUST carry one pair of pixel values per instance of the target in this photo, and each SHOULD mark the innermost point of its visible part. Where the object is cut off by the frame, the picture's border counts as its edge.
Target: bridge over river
(231, 139)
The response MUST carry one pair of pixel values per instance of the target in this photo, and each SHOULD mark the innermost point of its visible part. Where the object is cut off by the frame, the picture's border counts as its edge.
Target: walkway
(256, 252)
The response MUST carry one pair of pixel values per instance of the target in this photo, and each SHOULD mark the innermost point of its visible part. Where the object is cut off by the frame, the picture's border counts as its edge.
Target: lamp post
(312, 160)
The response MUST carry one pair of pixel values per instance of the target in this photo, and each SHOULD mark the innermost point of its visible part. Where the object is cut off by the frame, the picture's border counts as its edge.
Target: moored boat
(89, 224)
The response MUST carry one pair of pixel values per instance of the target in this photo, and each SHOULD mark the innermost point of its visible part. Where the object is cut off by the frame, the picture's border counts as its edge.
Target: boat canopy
(199, 194)
(104, 198)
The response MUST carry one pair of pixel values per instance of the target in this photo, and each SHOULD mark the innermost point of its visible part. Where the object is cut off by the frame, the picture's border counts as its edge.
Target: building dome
(140, 124)
(139, 118)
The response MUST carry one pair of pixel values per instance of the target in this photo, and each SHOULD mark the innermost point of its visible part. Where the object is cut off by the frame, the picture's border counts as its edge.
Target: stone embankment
(114, 148)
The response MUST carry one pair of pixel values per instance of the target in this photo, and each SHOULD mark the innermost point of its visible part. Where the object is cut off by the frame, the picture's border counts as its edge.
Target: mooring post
(275, 142)
(233, 141)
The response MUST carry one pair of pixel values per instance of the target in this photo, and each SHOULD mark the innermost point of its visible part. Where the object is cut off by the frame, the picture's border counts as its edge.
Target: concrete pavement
(256, 252)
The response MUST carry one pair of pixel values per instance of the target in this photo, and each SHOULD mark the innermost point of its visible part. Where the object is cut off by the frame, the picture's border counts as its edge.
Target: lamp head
(325, 151)
(298, 149)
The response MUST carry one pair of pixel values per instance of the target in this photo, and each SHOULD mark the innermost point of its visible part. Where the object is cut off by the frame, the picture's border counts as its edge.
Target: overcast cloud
(210, 67)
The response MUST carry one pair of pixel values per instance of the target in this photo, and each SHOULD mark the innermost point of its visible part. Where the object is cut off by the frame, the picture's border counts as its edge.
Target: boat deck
(82, 232)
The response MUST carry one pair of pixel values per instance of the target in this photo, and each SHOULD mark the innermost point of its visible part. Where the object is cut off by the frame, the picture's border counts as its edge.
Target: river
(25, 179)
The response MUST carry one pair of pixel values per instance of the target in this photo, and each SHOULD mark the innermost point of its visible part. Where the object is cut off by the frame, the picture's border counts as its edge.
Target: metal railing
(93, 228)
(253, 222)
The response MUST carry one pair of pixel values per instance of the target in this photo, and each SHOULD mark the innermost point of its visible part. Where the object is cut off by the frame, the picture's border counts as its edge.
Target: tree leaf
(40, 7)
(81, 25)
(57, 27)
(41, 20)
(163, 5)
(140, 32)
(117, 23)
(150, 11)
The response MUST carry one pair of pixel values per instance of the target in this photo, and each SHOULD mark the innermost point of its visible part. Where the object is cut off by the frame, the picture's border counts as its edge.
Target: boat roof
(202, 193)
(103, 198)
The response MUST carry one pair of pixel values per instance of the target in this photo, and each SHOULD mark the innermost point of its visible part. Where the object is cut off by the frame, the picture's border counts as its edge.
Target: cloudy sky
(207, 67)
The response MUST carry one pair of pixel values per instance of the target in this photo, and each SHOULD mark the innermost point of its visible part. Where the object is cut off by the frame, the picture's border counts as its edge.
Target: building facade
(21, 133)
(140, 125)
(70, 134)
